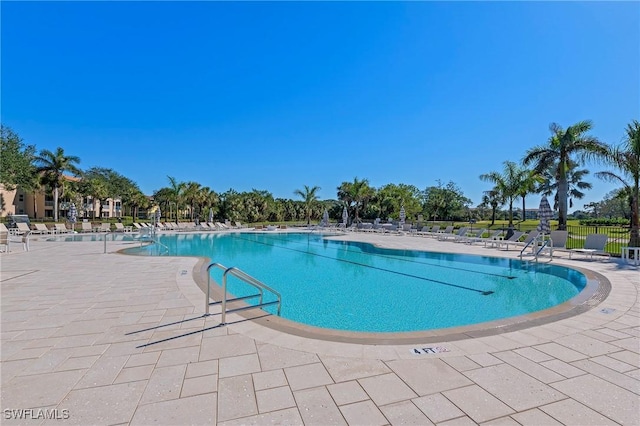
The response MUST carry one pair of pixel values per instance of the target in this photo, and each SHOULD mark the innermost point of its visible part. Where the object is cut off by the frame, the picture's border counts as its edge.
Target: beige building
(40, 205)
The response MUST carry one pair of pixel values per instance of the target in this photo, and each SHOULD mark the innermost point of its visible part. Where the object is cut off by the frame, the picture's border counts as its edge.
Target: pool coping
(596, 290)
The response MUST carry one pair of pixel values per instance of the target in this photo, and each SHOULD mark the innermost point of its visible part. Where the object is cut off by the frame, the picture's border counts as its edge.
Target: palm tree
(575, 184)
(309, 197)
(529, 180)
(191, 195)
(562, 145)
(357, 193)
(177, 193)
(52, 165)
(626, 158)
(507, 184)
(494, 199)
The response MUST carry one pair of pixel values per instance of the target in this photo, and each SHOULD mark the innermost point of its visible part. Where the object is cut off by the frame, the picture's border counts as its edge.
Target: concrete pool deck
(94, 338)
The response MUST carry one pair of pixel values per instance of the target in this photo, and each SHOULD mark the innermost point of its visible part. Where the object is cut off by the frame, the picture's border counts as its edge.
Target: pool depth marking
(509, 277)
(482, 292)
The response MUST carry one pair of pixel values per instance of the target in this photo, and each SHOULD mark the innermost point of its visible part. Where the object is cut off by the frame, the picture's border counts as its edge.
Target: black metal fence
(618, 236)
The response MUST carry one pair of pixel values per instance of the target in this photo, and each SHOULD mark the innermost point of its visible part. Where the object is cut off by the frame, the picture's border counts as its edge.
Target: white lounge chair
(4, 238)
(22, 228)
(60, 228)
(105, 227)
(41, 228)
(594, 244)
(121, 228)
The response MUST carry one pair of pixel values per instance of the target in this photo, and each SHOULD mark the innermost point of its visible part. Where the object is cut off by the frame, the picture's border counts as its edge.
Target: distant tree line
(553, 169)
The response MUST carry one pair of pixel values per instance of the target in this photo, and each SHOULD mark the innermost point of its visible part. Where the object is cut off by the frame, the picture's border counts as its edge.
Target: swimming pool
(359, 287)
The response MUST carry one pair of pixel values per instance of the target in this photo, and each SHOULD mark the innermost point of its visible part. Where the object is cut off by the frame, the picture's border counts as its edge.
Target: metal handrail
(206, 302)
(105, 239)
(531, 241)
(248, 279)
(238, 273)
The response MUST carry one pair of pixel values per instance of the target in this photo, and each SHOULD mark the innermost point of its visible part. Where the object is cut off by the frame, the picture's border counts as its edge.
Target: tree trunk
(524, 210)
(511, 213)
(562, 203)
(55, 204)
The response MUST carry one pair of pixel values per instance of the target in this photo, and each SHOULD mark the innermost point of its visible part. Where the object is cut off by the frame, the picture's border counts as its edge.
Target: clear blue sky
(276, 95)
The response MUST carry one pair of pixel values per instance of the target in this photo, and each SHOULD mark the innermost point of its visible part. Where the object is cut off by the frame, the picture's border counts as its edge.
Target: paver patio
(95, 338)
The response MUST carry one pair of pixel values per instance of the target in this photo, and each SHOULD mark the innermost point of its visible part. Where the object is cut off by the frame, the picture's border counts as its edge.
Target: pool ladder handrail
(248, 279)
(543, 245)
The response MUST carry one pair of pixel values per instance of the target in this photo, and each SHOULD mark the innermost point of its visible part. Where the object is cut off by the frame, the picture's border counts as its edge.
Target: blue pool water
(358, 287)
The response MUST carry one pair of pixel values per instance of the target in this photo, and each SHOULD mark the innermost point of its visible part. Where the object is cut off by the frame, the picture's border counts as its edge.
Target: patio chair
(451, 235)
(594, 244)
(434, 231)
(424, 231)
(105, 227)
(60, 228)
(41, 228)
(511, 240)
(121, 228)
(86, 227)
(470, 239)
(443, 232)
(528, 240)
(4, 239)
(23, 228)
(492, 238)
(558, 241)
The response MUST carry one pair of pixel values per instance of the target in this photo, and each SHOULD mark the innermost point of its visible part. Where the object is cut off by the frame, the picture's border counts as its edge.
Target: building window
(21, 198)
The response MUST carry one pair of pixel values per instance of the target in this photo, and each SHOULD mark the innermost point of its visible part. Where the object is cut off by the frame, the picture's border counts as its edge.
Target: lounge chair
(594, 244)
(22, 228)
(513, 239)
(492, 238)
(86, 227)
(456, 236)
(60, 228)
(4, 238)
(434, 231)
(470, 239)
(527, 242)
(443, 232)
(424, 231)
(558, 241)
(222, 226)
(121, 228)
(41, 228)
(105, 227)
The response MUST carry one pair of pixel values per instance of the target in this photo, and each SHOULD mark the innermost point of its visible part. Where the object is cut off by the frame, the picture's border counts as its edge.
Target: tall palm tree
(177, 193)
(53, 165)
(507, 184)
(357, 193)
(493, 198)
(561, 147)
(626, 158)
(528, 183)
(575, 184)
(191, 195)
(309, 197)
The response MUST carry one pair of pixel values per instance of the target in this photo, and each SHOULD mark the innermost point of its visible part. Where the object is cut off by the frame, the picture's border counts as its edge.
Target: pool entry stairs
(260, 287)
